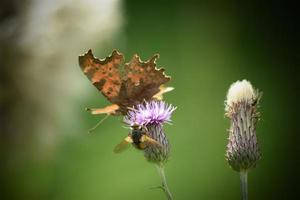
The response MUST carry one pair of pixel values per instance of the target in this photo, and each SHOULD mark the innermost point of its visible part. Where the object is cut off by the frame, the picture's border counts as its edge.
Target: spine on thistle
(242, 151)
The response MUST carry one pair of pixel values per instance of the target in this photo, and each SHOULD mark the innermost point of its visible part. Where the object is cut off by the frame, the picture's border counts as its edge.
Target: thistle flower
(242, 150)
(241, 104)
(147, 113)
(153, 115)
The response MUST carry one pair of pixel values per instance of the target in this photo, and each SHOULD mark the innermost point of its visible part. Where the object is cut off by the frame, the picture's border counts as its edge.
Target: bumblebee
(138, 138)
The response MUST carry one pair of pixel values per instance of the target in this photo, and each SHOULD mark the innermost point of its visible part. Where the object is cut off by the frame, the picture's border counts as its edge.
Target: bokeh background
(46, 152)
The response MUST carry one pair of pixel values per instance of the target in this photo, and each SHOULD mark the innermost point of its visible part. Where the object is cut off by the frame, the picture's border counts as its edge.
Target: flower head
(153, 112)
(240, 91)
(241, 108)
(153, 115)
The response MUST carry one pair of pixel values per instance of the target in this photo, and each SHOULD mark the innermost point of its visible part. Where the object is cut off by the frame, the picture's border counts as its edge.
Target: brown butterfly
(124, 86)
(138, 138)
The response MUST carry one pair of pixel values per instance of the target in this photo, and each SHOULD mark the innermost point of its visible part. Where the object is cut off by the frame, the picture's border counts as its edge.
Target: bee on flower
(146, 121)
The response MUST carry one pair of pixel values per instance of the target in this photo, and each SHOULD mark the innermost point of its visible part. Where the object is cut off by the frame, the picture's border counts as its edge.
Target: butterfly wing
(142, 80)
(104, 75)
(162, 89)
(122, 146)
(111, 109)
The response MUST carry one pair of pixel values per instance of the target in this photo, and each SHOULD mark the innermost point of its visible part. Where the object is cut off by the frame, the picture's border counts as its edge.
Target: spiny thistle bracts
(241, 107)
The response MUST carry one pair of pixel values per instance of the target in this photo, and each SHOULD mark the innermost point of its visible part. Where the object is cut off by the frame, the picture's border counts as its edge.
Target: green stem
(161, 172)
(244, 184)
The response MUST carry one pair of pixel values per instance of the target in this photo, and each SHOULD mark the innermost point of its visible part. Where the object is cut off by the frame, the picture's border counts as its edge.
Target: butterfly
(124, 85)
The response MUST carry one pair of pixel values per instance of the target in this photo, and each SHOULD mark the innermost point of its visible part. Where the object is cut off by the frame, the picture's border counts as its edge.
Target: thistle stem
(161, 172)
(244, 184)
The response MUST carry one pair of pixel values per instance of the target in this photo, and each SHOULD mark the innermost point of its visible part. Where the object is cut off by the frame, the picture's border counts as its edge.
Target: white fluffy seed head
(240, 91)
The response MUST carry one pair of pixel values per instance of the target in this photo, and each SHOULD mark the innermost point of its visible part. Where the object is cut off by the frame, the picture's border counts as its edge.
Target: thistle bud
(153, 115)
(241, 108)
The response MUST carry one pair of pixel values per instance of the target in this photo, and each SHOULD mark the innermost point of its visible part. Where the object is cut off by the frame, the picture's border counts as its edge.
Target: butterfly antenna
(102, 120)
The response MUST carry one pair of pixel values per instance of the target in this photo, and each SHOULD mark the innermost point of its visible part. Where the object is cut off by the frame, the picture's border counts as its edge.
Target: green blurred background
(46, 152)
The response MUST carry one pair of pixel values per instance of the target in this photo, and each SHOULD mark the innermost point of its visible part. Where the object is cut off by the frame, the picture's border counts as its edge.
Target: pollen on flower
(240, 91)
(153, 112)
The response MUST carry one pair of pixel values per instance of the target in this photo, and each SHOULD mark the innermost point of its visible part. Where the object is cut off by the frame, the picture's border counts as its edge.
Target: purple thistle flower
(153, 112)
(153, 115)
